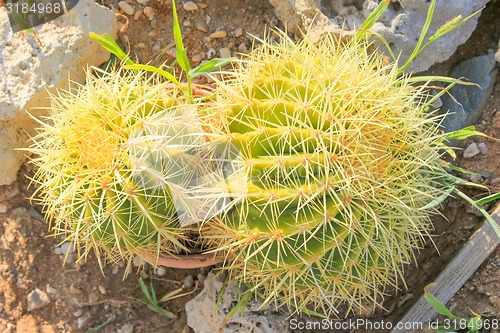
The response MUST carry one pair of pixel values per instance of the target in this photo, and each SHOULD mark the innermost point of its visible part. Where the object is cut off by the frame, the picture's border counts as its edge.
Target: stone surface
(400, 25)
(471, 98)
(203, 317)
(37, 299)
(471, 150)
(29, 71)
(190, 6)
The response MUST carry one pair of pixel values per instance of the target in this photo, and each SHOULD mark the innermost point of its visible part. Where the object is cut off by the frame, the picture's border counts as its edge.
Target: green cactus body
(337, 158)
(121, 162)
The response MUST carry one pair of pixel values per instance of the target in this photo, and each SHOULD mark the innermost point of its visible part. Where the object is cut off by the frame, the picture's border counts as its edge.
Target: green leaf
(160, 71)
(145, 290)
(110, 45)
(436, 202)
(209, 66)
(374, 16)
(488, 199)
(181, 55)
(440, 307)
(463, 133)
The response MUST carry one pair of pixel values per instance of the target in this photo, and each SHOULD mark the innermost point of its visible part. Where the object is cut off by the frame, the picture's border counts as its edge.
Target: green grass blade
(209, 66)
(440, 307)
(111, 46)
(436, 202)
(160, 71)
(181, 55)
(374, 16)
(488, 217)
(145, 290)
(464, 133)
(425, 28)
(488, 199)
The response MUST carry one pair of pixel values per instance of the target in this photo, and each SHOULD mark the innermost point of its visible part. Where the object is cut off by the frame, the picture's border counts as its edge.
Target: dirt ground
(84, 299)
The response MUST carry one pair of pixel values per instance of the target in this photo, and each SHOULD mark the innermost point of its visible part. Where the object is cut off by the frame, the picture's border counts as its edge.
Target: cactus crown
(338, 161)
(123, 165)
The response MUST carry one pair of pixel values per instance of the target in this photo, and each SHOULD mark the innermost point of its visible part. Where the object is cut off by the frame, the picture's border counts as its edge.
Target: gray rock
(400, 25)
(126, 328)
(471, 150)
(31, 71)
(203, 317)
(37, 299)
(472, 98)
(67, 247)
(483, 148)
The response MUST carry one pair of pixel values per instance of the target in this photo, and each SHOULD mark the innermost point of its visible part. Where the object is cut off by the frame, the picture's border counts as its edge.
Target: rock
(471, 151)
(142, 2)
(127, 328)
(78, 313)
(149, 13)
(238, 32)
(190, 6)
(58, 251)
(126, 8)
(483, 148)
(80, 322)
(102, 290)
(196, 58)
(67, 247)
(137, 14)
(400, 25)
(472, 98)
(225, 52)
(31, 71)
(3, 208)
(218, 34)
(138, 261)
(204, 315)
(242, 48)
(161, 271)
(37, 299)
(203, 5)
(211, 52)
(188, 282)
(201, 25)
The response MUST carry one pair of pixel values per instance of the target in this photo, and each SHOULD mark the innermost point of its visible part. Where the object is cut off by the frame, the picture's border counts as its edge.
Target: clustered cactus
(337, 158)
(313, 169)
(122, 161)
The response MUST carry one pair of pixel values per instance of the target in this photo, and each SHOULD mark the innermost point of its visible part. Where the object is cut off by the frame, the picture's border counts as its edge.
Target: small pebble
(476, 179)
(3, 208)
(471, 151)
(37, 299)
(102, 290)
(188, 282)
(211, 53)
(197, 58)
(483, 148)
(137, 14)
(161, 271)
(225, 52)
(78, 313)
(127, 9)
(238, 32)
(143, 275)
(202, 5)
(190, 6)
(51, 290)
(218, 34)
(67, 247)
(74, 291)
(80, 322)
(114, 270)
(126, 328)
(58, 251)
(93, 298)
(186, 23)
(242, 48)
(201, 25)
(138, 261)
(148, 12)
(141, 45)
(142, 2)
(70, 258)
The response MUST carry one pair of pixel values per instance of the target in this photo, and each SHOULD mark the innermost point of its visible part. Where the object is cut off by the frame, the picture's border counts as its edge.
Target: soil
(85, 299)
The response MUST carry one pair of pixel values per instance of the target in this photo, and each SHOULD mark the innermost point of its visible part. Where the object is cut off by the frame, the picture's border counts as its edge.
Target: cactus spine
(338, 162)
(121, 162)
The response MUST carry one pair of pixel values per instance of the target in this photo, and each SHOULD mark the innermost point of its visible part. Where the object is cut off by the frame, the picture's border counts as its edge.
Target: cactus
(122, 161)
(337, 172)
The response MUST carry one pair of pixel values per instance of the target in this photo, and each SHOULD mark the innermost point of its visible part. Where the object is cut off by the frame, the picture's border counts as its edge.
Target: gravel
(190, 6)
(37, 299)
(126, 8)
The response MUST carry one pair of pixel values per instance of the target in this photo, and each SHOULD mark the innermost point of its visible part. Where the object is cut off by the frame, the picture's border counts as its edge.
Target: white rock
(126, 328)
(471, 151)
(483, 148)
(211, 52)
(161, 271)
(188, 282)
(238, 32)
(400, 24)
(37, 299)
(102, 290)
(67, 247)
(58, 251)
(142, 2)
(138, 261)
(3, 208)
(190, 6)
(148, 12)
(127, 8)
(31, 71)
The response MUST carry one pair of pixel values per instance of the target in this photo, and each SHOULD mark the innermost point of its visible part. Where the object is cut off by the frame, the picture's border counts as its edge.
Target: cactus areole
(338, 160)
